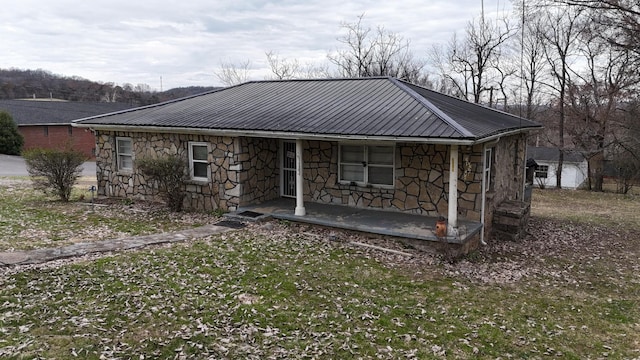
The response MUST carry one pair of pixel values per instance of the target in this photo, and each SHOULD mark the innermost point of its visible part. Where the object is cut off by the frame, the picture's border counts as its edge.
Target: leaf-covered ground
(31, 220)
(280, 290)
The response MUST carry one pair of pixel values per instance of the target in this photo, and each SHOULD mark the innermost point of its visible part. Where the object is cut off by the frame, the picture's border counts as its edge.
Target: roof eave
(298, 135)
(46, 124)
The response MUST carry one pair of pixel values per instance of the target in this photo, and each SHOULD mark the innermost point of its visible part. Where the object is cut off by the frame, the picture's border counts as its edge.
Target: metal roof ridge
(439, 113)
(478, 104)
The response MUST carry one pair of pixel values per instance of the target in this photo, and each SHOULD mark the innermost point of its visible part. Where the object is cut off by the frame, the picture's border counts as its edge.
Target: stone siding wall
(247, 170)
(421, 185)
(507, 175)
(257, 166)
(219, 193)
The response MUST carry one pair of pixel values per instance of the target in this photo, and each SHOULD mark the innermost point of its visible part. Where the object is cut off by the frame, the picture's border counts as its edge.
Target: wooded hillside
(20, 84)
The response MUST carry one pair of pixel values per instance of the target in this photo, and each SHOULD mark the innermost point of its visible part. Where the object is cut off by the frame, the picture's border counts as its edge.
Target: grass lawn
(281, 290)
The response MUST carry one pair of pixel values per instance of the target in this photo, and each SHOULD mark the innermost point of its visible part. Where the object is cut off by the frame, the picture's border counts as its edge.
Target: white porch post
(300, 210)
(453, 192)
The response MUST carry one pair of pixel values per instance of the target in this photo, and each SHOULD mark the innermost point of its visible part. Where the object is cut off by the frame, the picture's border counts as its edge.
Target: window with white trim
(367, 164)
(488, 164)
(124, 153)
(199, 161)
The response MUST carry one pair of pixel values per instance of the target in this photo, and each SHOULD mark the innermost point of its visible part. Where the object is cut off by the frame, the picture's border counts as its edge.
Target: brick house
(371, 143)
(47, 123)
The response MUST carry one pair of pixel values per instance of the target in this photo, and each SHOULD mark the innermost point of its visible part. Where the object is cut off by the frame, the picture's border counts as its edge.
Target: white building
(574, 167)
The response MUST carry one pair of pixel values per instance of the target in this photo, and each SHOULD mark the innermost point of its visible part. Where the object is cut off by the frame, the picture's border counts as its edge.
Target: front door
(288, 169)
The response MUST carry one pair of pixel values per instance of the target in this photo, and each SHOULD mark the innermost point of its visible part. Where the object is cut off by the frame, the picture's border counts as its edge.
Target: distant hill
(41, 84)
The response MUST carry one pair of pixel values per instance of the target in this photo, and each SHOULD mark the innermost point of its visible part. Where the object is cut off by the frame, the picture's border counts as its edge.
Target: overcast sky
(184, 41)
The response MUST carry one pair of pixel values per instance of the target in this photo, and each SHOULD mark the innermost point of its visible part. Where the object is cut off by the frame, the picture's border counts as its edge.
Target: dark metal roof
(373, 107)
(40, 112)
(552, 154)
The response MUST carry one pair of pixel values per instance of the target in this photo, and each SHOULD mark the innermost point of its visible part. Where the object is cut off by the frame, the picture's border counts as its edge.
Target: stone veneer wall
(247, 170)
(241, 171)
(507, 175)
(421, 185)
(257, 163)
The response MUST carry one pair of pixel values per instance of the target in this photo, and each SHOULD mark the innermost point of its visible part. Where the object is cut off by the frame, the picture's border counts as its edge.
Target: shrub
(11, 140)
(170, 174)
(54, 171)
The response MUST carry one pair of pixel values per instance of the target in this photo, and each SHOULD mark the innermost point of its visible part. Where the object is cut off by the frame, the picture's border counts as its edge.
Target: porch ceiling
(379, 222)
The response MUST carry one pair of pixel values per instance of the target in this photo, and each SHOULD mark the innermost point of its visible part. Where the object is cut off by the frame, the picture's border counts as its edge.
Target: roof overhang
(296, 135)
(46, 124)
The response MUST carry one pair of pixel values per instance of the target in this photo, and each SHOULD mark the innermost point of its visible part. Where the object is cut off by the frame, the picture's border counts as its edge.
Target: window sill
(200, 181)
(364, 186)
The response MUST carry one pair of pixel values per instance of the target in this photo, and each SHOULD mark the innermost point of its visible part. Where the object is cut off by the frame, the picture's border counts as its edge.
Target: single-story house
(574, 167)
(368, 143)
(46, 123)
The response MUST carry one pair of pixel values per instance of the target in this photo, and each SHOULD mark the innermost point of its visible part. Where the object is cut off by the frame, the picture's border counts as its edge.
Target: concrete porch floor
(379, 222)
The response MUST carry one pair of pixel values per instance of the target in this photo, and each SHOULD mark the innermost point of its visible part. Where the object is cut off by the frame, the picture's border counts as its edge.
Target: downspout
(484, 193)
(524, 167)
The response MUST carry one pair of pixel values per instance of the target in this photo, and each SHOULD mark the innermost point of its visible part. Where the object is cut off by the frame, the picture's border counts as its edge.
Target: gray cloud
(184, 42)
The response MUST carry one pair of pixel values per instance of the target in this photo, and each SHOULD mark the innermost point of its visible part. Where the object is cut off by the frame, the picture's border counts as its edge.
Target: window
(124, 153)
(199, 161)
(70, 130)
(488, 163)
(542, 171)
(367, 164)
(45, 130)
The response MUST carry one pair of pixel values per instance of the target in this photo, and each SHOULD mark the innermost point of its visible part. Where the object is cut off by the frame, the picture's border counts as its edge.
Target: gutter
(46, 124)
(295, 135)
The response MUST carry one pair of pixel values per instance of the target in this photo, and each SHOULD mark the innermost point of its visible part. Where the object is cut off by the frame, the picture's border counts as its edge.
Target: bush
(11, 140)
(170, 173)
(54, 171)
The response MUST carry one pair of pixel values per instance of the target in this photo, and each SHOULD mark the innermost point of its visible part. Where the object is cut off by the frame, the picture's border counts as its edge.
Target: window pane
(200, 170)
(382, 155)
(125, 162)
(487, 159)
(352, 172)
(199, 152)
(352, 154)
(124, 146)
(380, 175)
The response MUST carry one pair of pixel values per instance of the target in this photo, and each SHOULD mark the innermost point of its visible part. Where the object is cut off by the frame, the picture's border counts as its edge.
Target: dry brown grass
(587, 207)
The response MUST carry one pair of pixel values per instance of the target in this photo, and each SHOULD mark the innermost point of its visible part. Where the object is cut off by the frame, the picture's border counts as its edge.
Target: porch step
(510, 220)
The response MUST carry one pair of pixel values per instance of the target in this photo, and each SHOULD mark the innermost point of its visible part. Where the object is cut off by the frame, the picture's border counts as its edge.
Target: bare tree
(316, 71)
(532, 61)
(283, 68)
(469, 67)
(375, 53)
(620, 17)
(559, 28)
(231, 73)
(595, 98)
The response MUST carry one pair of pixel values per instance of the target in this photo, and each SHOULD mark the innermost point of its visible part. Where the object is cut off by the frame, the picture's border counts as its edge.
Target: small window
(45, 130)
(199, 161)
(124, 151)
(367, 164)
(70, 129)
(542, 171)
(488, 164)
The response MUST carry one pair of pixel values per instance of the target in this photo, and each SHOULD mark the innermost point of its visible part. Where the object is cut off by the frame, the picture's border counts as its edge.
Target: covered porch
(388, 223)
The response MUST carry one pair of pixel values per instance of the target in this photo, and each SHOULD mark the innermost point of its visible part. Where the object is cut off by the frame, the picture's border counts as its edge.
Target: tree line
(42, 84)
(569, 64)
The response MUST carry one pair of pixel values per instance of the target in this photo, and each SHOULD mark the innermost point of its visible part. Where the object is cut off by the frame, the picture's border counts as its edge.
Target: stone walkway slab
(39, 256)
